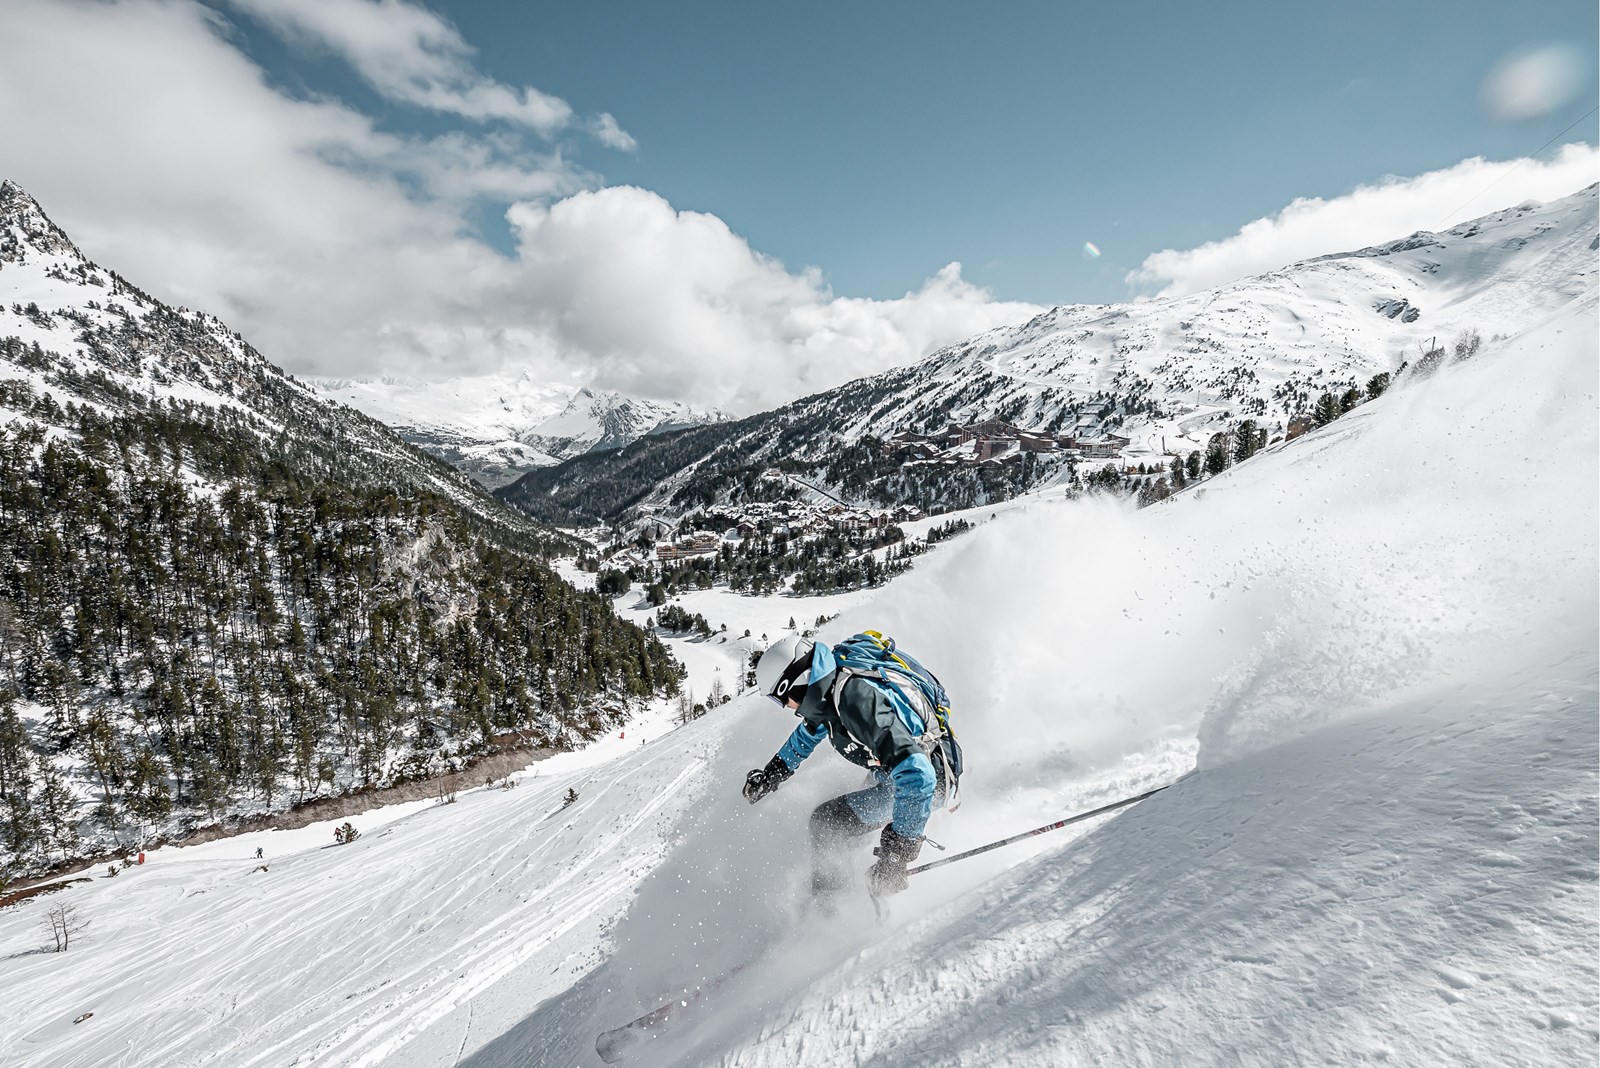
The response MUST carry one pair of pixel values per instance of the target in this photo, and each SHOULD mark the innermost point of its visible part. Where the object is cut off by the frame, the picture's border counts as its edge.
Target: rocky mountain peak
(24, 224)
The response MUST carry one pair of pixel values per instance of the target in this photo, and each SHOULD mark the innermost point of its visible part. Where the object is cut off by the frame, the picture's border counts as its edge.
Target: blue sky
(734, 204)
(881, 140)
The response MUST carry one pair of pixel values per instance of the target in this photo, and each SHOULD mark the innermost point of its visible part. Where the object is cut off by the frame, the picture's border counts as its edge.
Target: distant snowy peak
(496, 427)
(608, 420)
(478, 409)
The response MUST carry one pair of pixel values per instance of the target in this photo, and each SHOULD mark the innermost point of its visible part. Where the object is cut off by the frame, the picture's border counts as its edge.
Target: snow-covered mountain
(1179, 368)
(1166, 373)
(592, 421)
(497, 427)
(83, 333)
(1376, 643)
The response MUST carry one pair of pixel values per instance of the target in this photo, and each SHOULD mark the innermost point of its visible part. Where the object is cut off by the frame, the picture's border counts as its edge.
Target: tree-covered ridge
(196, 613)
(724, 464)
(599, 485)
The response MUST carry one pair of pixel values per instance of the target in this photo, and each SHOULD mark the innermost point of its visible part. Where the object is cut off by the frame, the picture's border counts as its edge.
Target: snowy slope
(1378, 644)
(1264, 346)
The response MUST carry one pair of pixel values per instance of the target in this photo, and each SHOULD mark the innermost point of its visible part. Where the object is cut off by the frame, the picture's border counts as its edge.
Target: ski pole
(1045, 829)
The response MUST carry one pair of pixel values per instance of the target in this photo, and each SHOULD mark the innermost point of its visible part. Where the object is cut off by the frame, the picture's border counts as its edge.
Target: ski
(613, 1045)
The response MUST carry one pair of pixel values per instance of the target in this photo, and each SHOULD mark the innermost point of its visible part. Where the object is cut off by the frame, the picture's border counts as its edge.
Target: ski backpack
(911, 688)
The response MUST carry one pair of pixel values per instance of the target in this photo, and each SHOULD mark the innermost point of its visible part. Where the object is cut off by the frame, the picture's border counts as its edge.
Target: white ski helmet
(785, 668)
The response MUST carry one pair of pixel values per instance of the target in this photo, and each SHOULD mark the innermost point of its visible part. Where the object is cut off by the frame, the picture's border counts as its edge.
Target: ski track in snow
(340, 955)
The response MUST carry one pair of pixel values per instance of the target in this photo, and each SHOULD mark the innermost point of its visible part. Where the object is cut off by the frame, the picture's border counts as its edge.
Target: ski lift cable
(1519, 163)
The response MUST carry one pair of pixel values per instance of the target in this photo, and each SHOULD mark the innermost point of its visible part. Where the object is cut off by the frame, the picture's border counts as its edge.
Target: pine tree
(19, 820)
(1217, 454)
(1326, 411)
(57, 812)
(1246, 440)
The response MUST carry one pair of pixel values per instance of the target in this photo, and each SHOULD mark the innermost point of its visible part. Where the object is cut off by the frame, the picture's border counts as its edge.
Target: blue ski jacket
(867, 728)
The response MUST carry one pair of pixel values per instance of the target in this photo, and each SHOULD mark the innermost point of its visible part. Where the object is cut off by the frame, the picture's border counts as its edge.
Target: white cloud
(606, 129)
(1529, 84)
(668, 303)
(411, 55)
(341, 250)
(1368, 215)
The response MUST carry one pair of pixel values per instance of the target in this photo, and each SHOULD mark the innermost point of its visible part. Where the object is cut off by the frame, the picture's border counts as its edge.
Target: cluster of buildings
(994, 441)
(787, 519)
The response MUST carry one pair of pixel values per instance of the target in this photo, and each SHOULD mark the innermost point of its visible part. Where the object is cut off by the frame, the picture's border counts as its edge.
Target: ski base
(613, 1045)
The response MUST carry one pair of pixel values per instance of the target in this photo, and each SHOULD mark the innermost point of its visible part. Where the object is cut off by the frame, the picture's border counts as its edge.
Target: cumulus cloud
(670, 303)
(340, 249)
(410, 55)
(1368, 215)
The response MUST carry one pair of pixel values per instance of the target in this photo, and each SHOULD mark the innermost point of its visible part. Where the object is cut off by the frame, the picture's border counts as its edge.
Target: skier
(909, 752)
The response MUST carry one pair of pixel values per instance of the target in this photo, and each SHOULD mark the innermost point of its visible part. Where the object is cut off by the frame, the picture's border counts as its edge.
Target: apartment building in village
(996, 441)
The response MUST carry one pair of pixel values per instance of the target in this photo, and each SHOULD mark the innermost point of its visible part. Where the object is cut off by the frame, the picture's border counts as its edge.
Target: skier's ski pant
(838, 822)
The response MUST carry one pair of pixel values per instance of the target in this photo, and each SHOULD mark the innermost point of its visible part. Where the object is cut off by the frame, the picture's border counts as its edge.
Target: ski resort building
(969, 444)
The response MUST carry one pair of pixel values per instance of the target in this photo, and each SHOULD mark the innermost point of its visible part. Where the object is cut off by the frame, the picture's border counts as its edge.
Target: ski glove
(760, 783)
(895, 851)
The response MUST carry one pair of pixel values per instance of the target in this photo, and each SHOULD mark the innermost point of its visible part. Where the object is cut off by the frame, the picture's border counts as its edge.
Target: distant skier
(259, 851)
(882, 711)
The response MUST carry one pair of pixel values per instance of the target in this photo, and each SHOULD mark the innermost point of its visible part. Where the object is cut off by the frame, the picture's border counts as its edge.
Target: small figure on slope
(882, 711)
